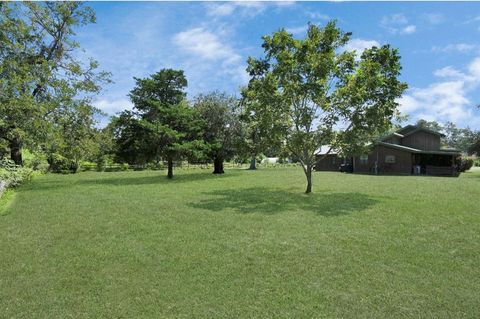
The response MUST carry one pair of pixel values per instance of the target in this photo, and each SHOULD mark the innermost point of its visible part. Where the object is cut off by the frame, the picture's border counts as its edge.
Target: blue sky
(439, 43)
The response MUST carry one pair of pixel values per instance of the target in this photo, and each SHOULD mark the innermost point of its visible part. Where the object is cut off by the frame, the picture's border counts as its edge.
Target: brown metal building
(410, 150)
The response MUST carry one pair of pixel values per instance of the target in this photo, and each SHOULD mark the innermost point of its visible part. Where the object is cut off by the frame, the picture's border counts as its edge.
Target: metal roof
(323, 150)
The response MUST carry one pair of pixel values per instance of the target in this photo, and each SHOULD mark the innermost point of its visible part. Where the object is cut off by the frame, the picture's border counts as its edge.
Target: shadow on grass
(272, 201)
(121, 179)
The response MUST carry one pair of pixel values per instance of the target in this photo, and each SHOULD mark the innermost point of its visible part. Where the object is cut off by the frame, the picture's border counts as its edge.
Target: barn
(410, 150)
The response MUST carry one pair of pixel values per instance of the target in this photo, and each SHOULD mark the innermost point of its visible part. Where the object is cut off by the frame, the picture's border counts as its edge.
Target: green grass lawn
(245, 244)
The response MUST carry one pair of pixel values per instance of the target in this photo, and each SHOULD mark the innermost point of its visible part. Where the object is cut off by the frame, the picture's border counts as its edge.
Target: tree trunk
(308, 174)
(170, 168)
(16, 151)
(253, 162)
(218, 165)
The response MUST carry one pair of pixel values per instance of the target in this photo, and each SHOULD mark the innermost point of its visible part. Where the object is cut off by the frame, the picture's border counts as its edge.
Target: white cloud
(449, 72)
(297, 30)
(243, 8)
(113, 106)
(360, 45)
(397, 24)
(317, 15)
(409, 29)
(205, 45)
(446, 100)
(204, 52)
(474, 19)
(456, 47)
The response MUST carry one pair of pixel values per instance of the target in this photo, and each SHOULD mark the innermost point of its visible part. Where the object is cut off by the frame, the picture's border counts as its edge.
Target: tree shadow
(119, 179)
(155, 179)
(273, 201)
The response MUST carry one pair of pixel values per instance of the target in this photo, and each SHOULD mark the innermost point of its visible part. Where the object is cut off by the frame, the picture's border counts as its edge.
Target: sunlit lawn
(246, 244)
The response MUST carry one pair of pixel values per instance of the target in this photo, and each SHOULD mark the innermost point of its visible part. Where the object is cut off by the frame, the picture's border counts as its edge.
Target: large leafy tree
(40, 69)
(168, 128)
(222, 128)
(72, 135)
(261, 115)
(460, 138)
(323, 94)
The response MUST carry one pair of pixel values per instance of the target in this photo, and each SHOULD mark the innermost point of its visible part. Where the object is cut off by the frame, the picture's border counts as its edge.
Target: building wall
(393, 140)
(423, 141)
(402, 161)
(330, 162)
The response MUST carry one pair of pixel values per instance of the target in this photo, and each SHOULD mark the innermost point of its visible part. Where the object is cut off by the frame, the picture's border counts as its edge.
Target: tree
(431, 125)
(40, 69)
(72, 135)
(261, 115)
(169, 128)
(461, 139)
(222, 128)
(324, 94)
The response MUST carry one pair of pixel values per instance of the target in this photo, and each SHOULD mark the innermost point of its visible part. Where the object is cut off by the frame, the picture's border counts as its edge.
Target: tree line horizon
(300, 92)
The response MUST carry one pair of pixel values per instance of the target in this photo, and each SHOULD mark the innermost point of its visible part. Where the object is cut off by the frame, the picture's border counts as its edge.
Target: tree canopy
(41, 74)
(222, 130)
(162, 125)
(319, 93)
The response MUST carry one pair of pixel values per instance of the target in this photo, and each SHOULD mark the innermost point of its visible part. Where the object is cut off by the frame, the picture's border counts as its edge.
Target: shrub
(476, 162)
(465, 164)
(35, 160)
(61, 164)
(88, 166)
(13, 175)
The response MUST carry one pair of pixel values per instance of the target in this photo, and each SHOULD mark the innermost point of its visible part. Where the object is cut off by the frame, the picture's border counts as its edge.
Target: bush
(88, 166)
(61, 164)
(35, 161)
(13, 175)
(465, 164)
(476, 162)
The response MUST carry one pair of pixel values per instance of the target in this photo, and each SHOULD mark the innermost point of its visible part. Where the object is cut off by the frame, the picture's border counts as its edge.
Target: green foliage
(475, 147)
(476, 162)
(466, 163)
(310, 92)
(13, 175)
(222, 130)
(162, 125)
(87, 166)
(431, 125)
(44, 83)
(60, 164)
(37, 161)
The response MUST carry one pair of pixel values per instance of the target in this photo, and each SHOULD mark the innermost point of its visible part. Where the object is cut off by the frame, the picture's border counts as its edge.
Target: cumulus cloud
(448, 99)
(409, 29)
(360, 44)
(205, 52)
(397, 24)
(205, 45)
(113, 106)
(243, 8)
(297, 30)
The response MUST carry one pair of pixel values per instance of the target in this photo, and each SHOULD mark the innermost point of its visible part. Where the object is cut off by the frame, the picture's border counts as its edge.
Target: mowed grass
(248, 244)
